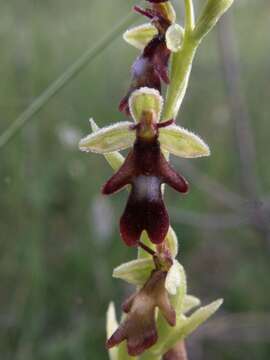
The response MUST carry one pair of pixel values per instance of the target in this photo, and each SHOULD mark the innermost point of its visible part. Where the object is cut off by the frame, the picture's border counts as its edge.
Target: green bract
(212, 12)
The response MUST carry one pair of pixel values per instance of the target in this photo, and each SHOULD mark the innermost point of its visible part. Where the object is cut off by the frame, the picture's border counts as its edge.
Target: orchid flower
(145, 167)
(156, 40)
(139, 326)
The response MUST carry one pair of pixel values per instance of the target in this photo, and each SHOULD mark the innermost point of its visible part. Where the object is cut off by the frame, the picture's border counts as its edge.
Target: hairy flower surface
(151, 67)
(145, 167)
(139, 326)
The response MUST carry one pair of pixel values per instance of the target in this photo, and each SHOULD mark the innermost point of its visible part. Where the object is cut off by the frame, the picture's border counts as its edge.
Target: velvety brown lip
(145, 169)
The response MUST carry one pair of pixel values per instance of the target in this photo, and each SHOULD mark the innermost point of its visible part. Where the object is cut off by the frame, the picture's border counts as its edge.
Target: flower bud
(212, 12)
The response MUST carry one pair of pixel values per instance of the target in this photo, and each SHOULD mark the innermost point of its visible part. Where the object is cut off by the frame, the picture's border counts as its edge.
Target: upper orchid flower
(145, 167)
(156, 40)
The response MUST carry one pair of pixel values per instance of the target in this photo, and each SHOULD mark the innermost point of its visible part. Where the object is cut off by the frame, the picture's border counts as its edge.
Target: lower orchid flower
(145, 167)
(139, 326)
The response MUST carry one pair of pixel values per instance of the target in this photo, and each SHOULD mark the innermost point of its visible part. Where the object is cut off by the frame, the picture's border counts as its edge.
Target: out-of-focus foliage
(58, 236)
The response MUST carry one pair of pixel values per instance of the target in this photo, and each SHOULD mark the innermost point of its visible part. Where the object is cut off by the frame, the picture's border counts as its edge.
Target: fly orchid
(145, 167)
(158, 315)
(156, 40)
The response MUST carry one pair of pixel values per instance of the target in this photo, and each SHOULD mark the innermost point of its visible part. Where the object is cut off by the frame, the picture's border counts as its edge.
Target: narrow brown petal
(172, 178)
(121, 178)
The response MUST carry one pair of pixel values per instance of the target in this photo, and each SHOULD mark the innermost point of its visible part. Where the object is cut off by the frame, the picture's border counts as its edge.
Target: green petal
(112, 138)
(176, 285)
(190, 302)
(174, 37)
(141, 35)
(115, 159)
(182, 142)
(172, 242)
(145, 99)
(135, 272)
(111, 326)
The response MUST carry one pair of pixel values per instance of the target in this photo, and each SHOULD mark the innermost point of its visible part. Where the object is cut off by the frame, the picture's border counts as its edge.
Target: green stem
(180, 72)
(189, 16)
(64, 79)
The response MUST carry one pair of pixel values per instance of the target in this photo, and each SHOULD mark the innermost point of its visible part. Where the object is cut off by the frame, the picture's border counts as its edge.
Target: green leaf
(174, 37)
(145, 99)
(135, 272)
(182, 142)
(115, 159)
(141, 35)
(115, 137)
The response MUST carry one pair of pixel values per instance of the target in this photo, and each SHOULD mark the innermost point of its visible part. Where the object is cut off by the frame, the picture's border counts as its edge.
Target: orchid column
(155, 322)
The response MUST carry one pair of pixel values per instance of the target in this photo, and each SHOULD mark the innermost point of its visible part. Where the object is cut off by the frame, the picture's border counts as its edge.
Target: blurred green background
(59, 238)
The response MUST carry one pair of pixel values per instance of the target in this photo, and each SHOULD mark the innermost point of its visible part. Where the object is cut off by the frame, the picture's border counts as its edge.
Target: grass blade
(64, 79)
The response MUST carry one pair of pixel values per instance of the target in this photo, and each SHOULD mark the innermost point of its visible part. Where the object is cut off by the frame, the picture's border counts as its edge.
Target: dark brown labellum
(145, 169)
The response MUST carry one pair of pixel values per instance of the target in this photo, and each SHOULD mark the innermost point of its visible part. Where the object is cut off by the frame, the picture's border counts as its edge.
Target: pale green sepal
(111, 326)
(211, 13)
(172, 242)
(190, 302)
(141, 35)
(145, 99)
(174, 37)
(135, 272)
(112, 138)
(176, 285)
(115, 159)
(182, 142)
